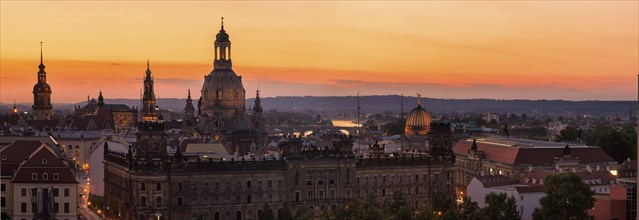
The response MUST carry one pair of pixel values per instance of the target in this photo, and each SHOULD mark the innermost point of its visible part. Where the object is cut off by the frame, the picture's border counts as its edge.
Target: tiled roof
(595, 177)
(628, 165)
(41, 162)
(43, 124)
(495, 180)
(526, 152)
(528, 189)
(15, 153)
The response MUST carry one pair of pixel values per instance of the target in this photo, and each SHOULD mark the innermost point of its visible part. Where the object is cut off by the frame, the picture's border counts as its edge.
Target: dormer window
(44, 161)
(34, 176)
(4, 157)
(56, 176)
(45, 176)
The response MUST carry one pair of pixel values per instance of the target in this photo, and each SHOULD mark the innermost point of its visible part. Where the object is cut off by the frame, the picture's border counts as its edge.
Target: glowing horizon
(501, 50)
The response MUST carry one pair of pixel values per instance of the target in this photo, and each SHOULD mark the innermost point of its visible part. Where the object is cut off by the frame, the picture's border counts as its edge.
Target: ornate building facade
(222, 115)
(513, 158)
(150, 183)
(42, 108)
(141, 186)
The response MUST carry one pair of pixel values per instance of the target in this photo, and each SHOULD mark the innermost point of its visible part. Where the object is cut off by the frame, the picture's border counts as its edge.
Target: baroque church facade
(221, 113)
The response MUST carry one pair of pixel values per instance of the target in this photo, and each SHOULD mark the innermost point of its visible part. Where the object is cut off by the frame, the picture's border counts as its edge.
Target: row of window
(215, 200)
(45, 176)
(227, 184)
(401, 178)
(34, 207)
(34, 191)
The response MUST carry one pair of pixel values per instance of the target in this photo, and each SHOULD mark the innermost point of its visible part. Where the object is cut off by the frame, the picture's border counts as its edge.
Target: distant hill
(392, 103)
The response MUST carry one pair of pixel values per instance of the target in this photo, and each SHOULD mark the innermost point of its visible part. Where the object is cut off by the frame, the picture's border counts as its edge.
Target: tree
(617, 145)
(500, 207)
(398, 208)
(469, 210)
(443, 203)
(285, 213)
(303, 213)
(566, 197)
(426, 214)
(267, 213)
(569, 133)
(394, 127)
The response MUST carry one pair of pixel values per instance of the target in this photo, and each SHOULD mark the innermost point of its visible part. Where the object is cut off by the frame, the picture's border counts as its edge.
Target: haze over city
(505, 50)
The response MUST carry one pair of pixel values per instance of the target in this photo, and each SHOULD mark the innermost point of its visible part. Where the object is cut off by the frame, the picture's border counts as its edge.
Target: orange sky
(508, 50)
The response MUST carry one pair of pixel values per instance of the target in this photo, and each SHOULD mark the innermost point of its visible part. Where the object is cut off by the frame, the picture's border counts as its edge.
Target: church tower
(150, 136)
(100, 100)
(42, 94)
(257, 112)
(189, 112)
(148, 100)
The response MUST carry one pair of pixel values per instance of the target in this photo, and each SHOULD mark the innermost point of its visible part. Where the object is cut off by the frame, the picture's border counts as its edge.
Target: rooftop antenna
(401, 108)
(358, 110)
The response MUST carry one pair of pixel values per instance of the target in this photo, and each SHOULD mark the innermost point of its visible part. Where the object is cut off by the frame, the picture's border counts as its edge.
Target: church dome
(418, 121)
(223, 91)
(222, 36)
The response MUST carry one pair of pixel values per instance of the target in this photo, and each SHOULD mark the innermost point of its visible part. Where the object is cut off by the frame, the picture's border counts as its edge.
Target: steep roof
(41, 162)
(13, 154)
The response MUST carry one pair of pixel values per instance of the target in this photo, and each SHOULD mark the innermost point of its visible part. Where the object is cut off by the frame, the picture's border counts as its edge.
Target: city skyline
(507, 50)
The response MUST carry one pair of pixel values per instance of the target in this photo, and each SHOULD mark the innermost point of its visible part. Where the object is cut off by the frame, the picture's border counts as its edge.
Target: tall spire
(222, 23)
(41, 61)
(148, 99)
(148, 69)
(419, 97)
(41, 66)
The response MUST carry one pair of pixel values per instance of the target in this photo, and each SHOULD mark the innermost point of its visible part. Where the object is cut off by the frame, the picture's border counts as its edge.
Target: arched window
(227, 215)
(238, 215)
(217, 216)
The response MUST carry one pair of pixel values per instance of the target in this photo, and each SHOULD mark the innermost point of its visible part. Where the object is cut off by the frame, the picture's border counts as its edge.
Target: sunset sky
(576, 50)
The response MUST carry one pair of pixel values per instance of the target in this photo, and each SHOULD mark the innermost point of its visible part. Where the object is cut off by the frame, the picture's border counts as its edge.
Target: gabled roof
(16, 152)
(41, 162)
